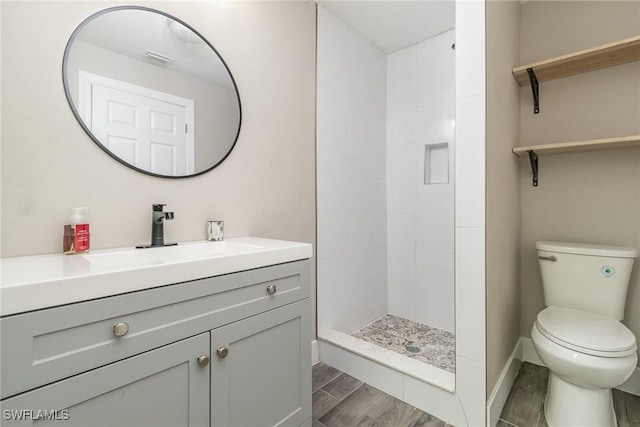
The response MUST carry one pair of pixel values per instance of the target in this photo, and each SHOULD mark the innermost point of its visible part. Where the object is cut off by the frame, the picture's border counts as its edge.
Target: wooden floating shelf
(606, 55)
(532, 151)
(596, 58)
(577, 146)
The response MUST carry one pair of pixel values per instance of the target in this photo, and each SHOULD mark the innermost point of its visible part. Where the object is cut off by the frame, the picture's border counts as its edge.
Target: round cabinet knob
(222, 352)
(120, 329)
(271, 289)
(203, 360)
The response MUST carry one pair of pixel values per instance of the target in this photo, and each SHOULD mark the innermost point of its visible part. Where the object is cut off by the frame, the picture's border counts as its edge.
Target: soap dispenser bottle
(76, 233)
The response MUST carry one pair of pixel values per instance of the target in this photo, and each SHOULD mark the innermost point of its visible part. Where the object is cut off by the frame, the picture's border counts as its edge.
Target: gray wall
(587, 197)
(503, 186)
(266, 187)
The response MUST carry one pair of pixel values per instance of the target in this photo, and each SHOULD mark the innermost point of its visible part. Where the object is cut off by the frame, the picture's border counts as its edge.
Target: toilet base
(567, 404)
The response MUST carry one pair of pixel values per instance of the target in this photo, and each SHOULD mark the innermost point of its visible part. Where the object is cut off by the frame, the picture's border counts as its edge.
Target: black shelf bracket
(534, 90)
(533, 159)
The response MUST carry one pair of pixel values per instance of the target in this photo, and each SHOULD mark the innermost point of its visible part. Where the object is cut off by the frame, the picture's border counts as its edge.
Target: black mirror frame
(88, 131)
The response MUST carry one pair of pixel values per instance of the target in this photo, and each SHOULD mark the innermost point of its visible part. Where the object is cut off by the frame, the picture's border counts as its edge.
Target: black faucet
(157, 227)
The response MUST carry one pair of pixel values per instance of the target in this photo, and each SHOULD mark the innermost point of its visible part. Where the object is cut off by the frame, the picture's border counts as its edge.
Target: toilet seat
(587, 333)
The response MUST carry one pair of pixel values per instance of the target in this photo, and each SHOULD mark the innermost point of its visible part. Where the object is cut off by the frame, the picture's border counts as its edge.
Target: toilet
(579, 335)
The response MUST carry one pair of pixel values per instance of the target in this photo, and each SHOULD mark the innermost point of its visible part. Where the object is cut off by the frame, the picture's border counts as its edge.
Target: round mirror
(151, 92)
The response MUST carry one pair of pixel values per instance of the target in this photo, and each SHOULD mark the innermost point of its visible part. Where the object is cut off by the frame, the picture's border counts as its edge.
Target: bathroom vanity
(207, 333)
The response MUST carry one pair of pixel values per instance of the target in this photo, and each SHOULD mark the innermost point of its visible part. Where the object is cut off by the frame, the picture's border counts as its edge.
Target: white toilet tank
(592, 278)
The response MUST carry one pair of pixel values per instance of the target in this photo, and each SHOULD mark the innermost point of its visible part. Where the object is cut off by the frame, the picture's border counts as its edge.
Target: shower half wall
(385, 140)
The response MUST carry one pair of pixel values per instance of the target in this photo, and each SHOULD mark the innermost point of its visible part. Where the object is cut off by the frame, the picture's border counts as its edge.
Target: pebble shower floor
(433, 346)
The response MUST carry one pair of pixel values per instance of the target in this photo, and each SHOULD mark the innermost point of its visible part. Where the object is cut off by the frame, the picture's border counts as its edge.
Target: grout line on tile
(327, 383)
(356, 389)
(507, 422)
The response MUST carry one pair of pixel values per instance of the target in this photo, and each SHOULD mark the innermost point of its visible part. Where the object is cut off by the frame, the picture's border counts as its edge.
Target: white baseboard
(315, 358)
(500, 392)
(632, 385)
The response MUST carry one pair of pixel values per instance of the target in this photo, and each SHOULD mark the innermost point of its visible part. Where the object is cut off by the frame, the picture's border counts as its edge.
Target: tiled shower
(356, 241)
(385, 149)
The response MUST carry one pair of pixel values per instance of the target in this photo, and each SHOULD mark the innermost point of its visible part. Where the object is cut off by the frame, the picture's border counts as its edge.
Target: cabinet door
(261, 369)
(162, 387)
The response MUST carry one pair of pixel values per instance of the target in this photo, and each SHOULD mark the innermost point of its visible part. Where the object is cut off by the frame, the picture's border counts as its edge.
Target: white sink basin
(132, 258)
(41, 281)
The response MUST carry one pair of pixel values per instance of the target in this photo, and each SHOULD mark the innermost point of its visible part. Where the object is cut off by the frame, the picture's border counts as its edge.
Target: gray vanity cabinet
(229, 350)
(260, 373)
(161, 387)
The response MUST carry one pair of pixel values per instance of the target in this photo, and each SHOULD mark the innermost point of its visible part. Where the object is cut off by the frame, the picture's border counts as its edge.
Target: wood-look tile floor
(525, 404)
(340, 400)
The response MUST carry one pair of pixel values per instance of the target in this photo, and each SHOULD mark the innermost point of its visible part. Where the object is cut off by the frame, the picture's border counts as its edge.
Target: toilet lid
(586, 332)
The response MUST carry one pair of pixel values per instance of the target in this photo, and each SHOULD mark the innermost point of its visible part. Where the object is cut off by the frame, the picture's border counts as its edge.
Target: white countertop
(41, 281)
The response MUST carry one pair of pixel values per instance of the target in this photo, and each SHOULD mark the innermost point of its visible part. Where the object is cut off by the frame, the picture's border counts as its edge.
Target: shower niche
(436, 163)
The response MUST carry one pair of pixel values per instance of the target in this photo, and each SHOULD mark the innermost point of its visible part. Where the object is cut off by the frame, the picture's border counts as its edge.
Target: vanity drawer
(44, 346)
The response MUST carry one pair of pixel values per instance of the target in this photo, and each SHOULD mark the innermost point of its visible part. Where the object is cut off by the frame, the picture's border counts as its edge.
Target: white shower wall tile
(332, 48)
(470, 387)
(377, 81)
(470, 292)
(332, 218)
(358, 118)
(402, 300)
(380, 232)
(379, 159)
(470, 209)
(402, 62)
(436, 63)
(377, 127)
(378, 201)
(435, 218)
(401, 189)
(368, 71)
(332, 274)
(363, 297)
(359, 82)
(365, 195)
(360, 240)
(363, 51)
(360, 199)
(402, 93)
(401, 110)
(470, 48)
(401, 128)
(378, 286)
(401, 243)
(435, 289)
(331, 129)
(469, 160)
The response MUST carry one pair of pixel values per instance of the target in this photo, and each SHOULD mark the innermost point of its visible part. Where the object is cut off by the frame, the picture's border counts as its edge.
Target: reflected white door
(149, 129)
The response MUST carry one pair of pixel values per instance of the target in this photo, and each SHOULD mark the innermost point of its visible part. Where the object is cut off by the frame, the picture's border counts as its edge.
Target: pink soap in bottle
(76, 234)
